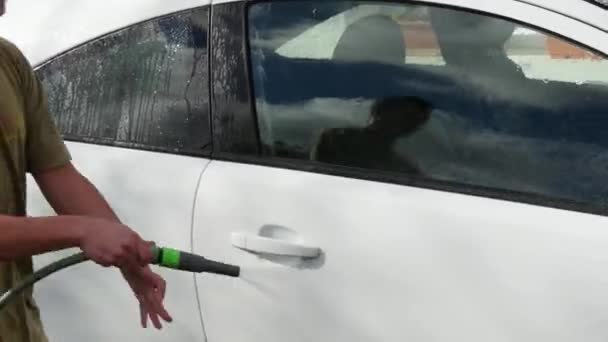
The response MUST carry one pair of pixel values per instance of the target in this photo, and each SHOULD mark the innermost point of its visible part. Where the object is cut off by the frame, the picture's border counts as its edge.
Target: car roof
(592, 12)
(42, 29)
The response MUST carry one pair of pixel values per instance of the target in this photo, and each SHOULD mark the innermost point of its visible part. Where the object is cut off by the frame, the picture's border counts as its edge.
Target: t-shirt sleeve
(45, 148)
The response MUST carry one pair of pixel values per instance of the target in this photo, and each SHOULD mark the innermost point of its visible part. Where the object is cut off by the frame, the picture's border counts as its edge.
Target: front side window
(431, 93)
(143, 86)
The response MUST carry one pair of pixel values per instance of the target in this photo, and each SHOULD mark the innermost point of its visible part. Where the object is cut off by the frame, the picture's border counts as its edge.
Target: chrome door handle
(260, 244)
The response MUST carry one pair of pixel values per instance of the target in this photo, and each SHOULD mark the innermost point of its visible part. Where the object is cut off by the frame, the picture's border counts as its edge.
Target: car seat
(376, 38)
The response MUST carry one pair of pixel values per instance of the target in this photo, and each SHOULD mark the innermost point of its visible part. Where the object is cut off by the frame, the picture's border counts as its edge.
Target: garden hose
(162, 256)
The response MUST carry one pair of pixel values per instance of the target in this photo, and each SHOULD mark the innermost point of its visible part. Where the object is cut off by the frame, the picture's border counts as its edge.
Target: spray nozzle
(184, 261)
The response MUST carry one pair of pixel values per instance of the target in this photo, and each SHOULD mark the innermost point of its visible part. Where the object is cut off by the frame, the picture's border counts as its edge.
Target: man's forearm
(70, 193)
(25, 236)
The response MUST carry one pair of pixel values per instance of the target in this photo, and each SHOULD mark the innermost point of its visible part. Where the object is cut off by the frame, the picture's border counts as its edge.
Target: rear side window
(431, 93)
(145, 86)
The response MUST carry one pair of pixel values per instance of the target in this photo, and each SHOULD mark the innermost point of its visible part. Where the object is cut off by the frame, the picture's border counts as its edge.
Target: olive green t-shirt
(29, 142)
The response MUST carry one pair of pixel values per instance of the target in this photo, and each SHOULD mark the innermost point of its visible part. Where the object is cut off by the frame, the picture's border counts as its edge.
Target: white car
(381, 171)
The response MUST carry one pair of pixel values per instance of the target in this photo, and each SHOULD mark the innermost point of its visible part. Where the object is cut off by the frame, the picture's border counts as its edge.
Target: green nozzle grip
(169, 258)
(180, 260)
(166, 257)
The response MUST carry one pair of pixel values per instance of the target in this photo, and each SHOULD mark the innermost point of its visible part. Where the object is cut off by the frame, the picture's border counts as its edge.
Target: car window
(143, 86)
(431, 93)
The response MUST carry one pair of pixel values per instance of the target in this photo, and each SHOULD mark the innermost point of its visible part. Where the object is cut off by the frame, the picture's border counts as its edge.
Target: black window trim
(234, 105)
(570, 16)
(598, 3)
(204, 151)
(515, 197)
(398, 179)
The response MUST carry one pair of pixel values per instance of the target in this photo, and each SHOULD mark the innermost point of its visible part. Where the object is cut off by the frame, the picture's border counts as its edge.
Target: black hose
(162, 256)
(40, 274)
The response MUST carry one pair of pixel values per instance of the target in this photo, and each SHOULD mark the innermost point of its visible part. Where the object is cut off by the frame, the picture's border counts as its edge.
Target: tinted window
(143, 86)
(431, 93)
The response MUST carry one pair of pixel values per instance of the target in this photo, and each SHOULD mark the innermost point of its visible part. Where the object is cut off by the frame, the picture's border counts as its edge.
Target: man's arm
(70, 193)
(105, 242)
(24, 236)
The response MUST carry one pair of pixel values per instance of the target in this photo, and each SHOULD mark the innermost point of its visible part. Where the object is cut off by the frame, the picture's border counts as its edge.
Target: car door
(394, 171)
(133, 106)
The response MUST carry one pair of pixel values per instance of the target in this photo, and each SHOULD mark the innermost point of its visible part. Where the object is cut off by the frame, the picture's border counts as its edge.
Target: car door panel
(397, 262)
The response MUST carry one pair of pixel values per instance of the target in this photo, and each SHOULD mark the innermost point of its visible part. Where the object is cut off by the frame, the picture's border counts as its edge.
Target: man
(29, 142)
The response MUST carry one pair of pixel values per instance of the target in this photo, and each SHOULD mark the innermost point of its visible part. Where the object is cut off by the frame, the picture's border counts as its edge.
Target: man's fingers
(163, 312)
(155, 320)
(162, 288)
(153, 309)
(160, 296)
(148, 312)
(158, 308)
(144, 315)
(151, 292)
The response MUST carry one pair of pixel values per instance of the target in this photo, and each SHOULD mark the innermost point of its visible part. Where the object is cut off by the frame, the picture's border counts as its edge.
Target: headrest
(375, 38)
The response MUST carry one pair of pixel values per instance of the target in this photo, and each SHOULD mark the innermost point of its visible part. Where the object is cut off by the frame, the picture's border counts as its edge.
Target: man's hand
(149, 289)
(108, 242)
(112, 244)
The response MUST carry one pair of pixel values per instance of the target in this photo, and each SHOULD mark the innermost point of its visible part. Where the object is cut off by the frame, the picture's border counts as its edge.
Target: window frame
(205, 150)
(252, 154)
(598, 3)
